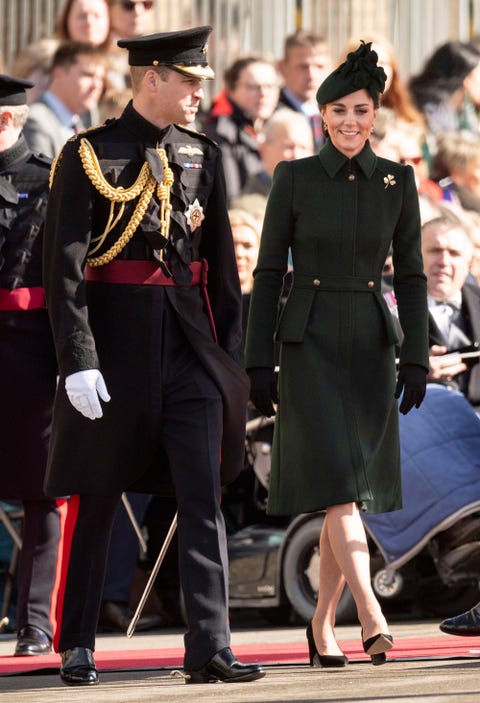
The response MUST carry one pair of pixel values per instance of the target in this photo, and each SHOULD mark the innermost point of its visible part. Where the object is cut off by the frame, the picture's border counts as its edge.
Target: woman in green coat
(336, 444)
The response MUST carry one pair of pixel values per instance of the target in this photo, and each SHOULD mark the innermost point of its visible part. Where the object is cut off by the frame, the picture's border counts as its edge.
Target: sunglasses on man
(130, 5)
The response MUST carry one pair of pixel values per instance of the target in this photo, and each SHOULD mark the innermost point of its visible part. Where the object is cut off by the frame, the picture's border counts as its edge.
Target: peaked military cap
(12, 90)
(185, 51)
(359, 71)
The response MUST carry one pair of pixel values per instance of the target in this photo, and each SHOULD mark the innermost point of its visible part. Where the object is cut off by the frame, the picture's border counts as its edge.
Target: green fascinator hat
(359, 71)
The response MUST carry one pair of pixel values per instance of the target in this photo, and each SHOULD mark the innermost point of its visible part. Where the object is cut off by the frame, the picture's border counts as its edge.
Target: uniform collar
(333, 160)
(19, 150)
(147, 132)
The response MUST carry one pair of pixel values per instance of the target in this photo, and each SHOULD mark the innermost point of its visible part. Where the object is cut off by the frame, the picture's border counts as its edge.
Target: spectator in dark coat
(237, 115)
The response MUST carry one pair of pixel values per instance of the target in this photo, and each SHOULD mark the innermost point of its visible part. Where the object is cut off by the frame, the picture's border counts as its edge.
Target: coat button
(351, 176)
(370, 284)
(316, 281)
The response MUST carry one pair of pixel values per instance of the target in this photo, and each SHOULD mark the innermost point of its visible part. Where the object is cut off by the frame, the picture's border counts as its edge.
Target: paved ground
(422, 681)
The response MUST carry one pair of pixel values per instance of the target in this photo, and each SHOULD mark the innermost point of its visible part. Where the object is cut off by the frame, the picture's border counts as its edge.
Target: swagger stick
(153, 576)
(133, 520)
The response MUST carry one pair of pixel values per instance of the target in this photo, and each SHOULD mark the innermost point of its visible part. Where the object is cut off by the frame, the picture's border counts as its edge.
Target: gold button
(370, 284)
(351, 177)
(316, 282)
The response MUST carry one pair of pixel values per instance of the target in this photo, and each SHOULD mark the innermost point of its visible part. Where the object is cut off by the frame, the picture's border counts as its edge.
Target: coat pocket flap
(294, 316)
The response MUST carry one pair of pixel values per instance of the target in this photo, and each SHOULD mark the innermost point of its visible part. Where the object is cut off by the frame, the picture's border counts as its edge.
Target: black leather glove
(263, 389)
(412, 379)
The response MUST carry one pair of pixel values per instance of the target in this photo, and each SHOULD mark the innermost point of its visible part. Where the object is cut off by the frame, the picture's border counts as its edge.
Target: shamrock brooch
(389, 180)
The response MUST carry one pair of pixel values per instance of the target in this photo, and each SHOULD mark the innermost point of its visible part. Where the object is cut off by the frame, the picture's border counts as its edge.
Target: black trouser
(190, 434)
(123, 550)
(37, 563)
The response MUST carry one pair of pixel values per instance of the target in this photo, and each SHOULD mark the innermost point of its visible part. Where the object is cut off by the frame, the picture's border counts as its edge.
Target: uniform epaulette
(94, 130)
(41, 158)
(198, 135)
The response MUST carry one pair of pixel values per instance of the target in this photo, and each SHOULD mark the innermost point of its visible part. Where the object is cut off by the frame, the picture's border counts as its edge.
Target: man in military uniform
(137, 212)
(27, 368)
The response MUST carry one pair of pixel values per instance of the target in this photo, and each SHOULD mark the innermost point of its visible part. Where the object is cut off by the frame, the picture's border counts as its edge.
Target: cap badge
(194, 215)
(205, 49)
(190, 150)
(389, 180)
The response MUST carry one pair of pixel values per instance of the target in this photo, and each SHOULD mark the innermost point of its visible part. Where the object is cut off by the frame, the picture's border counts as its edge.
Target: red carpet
(442, 647)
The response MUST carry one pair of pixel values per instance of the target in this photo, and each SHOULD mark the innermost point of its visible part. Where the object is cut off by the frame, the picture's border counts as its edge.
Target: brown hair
(304, 39)
(233, 72)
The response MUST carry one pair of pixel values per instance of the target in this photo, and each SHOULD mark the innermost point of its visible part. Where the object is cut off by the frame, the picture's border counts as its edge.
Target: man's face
(131, 18)
(288, 142)
(256, 91)
(174, 101)
(304, 68)
(80, 86)
(446, 260)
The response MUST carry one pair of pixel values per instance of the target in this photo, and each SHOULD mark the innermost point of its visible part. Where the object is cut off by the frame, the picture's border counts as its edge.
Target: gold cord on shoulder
(53, 167)
(144, 187)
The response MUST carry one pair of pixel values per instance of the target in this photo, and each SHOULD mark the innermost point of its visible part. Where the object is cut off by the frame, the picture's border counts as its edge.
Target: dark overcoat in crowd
(470, 310)
(27, 355)
(336, 431)
(118, 328)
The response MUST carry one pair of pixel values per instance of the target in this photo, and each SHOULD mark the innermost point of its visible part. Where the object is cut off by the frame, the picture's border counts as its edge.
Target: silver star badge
(194, 215)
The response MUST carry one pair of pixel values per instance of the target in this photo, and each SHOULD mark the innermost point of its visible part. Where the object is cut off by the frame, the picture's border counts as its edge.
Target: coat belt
(22, 298)
(337, 283)
(146, 273)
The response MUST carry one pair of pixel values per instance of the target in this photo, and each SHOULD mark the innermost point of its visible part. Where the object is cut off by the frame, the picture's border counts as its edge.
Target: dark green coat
(336, 431)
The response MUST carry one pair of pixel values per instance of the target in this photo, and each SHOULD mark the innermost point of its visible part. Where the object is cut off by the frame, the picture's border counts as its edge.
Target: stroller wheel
(387, 584)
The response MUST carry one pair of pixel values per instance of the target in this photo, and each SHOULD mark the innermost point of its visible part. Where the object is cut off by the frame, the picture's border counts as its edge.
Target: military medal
(194, 215)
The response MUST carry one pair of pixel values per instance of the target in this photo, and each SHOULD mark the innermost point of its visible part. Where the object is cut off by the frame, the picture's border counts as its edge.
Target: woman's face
(88, 22)
(246, 245)
(349, 121)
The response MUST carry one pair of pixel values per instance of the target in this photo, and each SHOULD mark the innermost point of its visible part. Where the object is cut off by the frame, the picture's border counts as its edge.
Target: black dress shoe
(467, 624)
(224, 666)
(336, 661)
(78, 667)
(116, 617)
(31, 641)
(376, 647)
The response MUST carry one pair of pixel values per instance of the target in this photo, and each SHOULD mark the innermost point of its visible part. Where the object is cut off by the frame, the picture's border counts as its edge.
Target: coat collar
(146, 132)
(333, 160)
(19, 150)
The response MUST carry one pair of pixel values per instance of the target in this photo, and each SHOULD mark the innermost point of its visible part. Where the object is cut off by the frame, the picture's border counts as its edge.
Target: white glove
(83, 389)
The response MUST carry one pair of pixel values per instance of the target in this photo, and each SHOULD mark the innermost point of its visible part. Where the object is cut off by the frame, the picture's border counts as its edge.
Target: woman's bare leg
(349, 549)
(331, 585)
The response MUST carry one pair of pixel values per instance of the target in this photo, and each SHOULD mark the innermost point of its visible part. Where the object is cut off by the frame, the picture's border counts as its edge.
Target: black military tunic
(27, 378)
(122, 332)
(27, 356)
